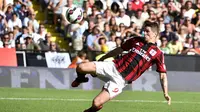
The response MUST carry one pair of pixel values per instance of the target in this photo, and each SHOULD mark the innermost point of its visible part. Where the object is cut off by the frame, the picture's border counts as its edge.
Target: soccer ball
(73, 15)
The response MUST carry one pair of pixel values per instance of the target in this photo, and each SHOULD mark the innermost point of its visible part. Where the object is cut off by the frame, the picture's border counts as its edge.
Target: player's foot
(78, 81)
(93, 110)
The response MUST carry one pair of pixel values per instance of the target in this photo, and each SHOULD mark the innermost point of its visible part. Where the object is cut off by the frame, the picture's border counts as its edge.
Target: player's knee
(97, 102)
(80, 67)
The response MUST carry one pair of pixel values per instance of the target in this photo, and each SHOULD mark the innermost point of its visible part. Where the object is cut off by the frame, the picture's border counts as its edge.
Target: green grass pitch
(52, 100)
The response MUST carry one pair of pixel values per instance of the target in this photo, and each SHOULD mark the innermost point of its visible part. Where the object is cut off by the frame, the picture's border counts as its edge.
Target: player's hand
(168, 98)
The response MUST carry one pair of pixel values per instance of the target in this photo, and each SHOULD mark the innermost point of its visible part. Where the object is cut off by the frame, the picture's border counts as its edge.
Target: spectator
(166, 16)
(197, 4)
(197, 33)
(152, 16)
(129, 10)
(175, 46)
(164, 48)
(189, 10)
(93, 36)
(196, 47)
(169, 33)
(15, 21)
(53, 47)
(137, 19)
(3, 23)
(77, 31)
(182, 33)
(197, 20)
(86, 7)
(45, 44)
(107, 30)
(137, 4)
(179, 19)
(8, 12)
(57, 6)
(107, 15)
(31, 17)
(90, 28)
(187, 23)
(145, 14)
(123, 18)
(30, 45)
(16, 32)
(115, 9)
(30, 26)
(7, 42)
(157, 7)
(111, 42)
(42, 32)
(94, 13)
(43, 4)
(6, 45)
(188, 43)
(11, 39)
(175, 5)
(102, 45)
(23, 12)
(100, 21)
(17, 5)
(172, 11)
(118, 41)
(161, 23)
(112, 22)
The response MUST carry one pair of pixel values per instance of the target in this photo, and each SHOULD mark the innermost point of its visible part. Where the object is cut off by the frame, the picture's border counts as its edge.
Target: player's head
(151, 31)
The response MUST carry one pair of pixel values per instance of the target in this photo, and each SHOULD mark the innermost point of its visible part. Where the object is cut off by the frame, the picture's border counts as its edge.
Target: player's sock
(94, 109)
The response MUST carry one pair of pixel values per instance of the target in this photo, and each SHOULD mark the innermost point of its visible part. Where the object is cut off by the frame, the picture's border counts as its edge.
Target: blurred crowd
(19, 29)
(107, 23)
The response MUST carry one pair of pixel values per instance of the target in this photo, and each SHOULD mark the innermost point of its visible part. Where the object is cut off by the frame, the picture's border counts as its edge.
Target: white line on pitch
(88, 100)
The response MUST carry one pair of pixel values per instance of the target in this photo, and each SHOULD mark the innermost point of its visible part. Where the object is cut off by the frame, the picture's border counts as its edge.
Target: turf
(52, 100)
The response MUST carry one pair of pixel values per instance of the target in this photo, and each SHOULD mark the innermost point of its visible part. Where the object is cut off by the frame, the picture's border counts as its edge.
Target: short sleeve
(128, 44)
(160, 63)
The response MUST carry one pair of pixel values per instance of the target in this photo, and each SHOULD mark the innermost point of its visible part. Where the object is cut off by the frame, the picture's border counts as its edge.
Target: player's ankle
(82, 79)
(93, 109)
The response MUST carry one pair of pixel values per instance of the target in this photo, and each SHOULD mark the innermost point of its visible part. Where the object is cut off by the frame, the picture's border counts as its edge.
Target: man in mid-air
(142, 53)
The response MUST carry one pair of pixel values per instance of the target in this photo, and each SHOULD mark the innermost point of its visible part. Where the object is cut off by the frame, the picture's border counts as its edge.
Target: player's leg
(99, 100)
(81, 70)
(110, 90)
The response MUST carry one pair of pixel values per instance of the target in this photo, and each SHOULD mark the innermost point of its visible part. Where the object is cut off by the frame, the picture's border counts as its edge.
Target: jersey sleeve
(128, 44)
(160, 63)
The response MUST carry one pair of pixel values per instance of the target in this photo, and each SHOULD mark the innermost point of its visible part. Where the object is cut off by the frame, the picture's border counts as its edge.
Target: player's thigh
(101, 98)
(113, 88)
(88, 67)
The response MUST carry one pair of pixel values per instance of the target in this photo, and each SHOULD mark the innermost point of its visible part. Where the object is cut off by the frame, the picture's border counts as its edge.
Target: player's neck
(151, 41)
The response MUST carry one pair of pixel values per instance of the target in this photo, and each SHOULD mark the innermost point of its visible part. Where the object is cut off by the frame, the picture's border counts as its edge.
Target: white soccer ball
(73, 15)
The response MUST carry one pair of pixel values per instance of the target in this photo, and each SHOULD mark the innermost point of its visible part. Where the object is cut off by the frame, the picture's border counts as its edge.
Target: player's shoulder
(136, 38)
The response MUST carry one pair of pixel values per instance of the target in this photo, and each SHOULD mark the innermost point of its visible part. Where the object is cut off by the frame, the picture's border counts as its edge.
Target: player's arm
(161, 68)
(112, 53)
(164, 85)
(127, 45)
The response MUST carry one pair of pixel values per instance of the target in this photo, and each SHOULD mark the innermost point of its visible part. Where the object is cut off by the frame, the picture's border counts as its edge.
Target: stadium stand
(37, 24)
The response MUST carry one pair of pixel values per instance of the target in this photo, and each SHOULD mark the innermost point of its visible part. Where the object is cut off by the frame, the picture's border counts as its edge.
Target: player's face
(149, 34)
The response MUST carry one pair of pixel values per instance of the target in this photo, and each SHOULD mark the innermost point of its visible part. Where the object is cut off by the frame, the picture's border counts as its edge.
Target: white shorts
(107, 72)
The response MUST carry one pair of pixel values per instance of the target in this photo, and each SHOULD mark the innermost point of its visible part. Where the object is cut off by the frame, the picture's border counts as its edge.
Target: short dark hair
(153, 25)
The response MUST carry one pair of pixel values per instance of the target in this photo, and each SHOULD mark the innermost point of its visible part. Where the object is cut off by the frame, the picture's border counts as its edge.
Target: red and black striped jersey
(141, 55)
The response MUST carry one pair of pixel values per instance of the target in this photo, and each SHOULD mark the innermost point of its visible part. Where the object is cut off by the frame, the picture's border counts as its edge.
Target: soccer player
(142, 53)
